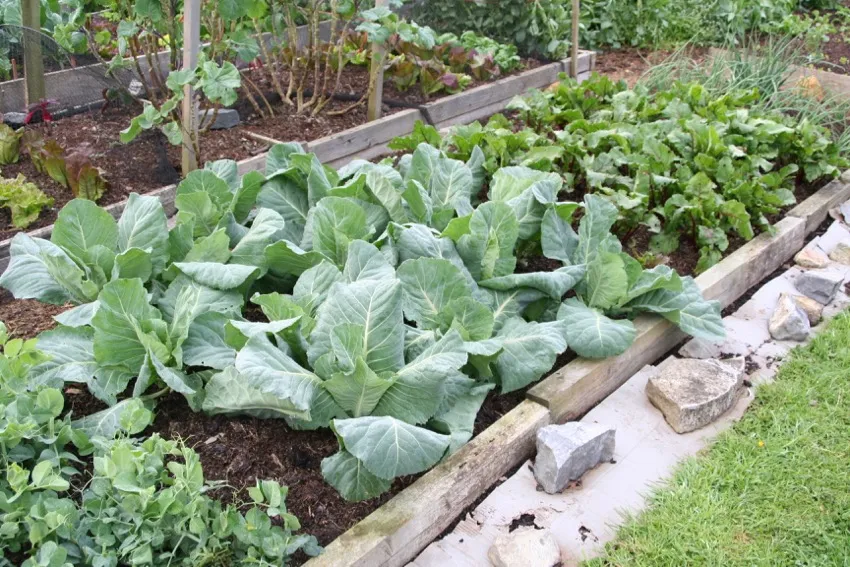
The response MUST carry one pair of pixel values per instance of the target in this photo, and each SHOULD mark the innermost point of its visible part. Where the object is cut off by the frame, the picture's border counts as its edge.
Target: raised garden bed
(407, 523)
(395, 533)
(337, 139)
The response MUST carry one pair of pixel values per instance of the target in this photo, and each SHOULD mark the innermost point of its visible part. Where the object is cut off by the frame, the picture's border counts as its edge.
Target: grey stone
(789, 321)
(693, 393)
(841, 254)
(811, 257)
(136, 88)
(226, 118)
(525, 547)
(565, 452)
(812, 309)
(15, 119)
(737, 364)
(820, 285)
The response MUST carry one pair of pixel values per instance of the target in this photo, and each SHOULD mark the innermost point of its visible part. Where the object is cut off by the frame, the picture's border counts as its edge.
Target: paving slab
(837, 232)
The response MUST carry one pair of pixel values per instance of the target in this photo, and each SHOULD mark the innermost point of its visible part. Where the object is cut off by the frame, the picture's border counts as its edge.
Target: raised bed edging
(396, 532)
(370, 140)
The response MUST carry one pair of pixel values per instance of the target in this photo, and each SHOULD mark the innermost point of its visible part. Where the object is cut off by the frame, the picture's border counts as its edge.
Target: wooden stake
(191, 47)
(33, 63)
(376, 77)
(574, 46)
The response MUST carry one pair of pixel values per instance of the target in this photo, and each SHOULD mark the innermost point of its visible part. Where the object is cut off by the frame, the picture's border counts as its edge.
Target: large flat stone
(835, 234)
(525, 547)
(820, 285)
(565, 452)
(743, 336)
(693, 393)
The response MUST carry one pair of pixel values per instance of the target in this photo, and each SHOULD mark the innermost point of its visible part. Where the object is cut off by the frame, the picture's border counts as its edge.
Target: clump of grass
(767, 65)
(774, 490)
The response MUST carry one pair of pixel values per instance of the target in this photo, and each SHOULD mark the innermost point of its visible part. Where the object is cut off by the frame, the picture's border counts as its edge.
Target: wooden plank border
(369, 140)
(397, 531)
(394, 534)
(575, 388)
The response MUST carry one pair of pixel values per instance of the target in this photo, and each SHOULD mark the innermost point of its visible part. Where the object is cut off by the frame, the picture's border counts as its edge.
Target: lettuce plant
(24, 199)
(391, 299)
(10, 144)
(84, 179)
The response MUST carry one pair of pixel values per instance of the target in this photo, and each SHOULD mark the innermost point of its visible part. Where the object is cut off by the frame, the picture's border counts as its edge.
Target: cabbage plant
(392, 304)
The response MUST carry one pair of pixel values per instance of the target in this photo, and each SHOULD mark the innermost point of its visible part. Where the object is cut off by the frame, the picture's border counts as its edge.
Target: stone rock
(789, 321)
(820, 285)
(841, 254)
(811, 257)
(812, 309)
(693, 393)
(565, 452)
(525, 547)
(136, 88)
(225, 119)
(15, 119)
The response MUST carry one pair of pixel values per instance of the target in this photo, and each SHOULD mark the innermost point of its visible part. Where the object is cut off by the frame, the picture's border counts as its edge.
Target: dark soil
(241, 450)
(835, 51)
(25, 318)
(628, 64)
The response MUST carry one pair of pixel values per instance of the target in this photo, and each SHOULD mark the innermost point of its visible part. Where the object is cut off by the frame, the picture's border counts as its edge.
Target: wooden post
(574, 46)
(376, 77)
(33, 63)
(191, 47)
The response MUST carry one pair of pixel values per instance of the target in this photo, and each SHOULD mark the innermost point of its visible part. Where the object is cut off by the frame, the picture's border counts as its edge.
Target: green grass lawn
(774, 490)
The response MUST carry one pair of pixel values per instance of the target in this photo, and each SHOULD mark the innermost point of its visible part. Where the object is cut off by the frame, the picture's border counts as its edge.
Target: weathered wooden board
(757, 259)
(442, 110)
(359, 138)
(394, 533)
(816, 208)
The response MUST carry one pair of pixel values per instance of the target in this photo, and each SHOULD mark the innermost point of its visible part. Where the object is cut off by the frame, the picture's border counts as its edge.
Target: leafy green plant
(146, 500)
(218, 84)
(84, 179)
(504, 55)
(10, 144)
(47, 156)
(416, 55)
(24, 199)
(536, 28)
(674, 161)
(391, 302)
